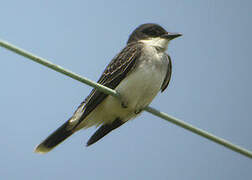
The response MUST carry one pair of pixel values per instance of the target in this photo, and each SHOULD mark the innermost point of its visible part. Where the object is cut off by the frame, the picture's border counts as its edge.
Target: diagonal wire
(112, 92)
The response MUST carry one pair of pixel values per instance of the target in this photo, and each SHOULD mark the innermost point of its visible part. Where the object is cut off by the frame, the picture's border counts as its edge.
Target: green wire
(111, 92)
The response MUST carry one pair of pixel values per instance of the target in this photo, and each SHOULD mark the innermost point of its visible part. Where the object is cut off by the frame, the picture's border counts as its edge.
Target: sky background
(210, 88)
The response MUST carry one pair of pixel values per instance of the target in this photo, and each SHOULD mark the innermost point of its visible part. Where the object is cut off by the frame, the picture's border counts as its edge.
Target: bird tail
(54, 139)
(104, 130)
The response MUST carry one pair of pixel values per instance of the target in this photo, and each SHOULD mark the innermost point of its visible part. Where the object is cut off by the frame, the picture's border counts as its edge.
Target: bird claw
(137, 111)
(124, 104)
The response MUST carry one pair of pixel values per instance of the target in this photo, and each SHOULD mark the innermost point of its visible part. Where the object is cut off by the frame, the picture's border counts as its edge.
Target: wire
(112, 92)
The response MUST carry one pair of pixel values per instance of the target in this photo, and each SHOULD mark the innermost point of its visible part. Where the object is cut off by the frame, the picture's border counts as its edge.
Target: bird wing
(168, 74)
(113, 74)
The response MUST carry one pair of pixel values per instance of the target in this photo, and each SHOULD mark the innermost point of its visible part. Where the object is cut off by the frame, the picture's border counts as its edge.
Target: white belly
(138, 89)
(141, 86)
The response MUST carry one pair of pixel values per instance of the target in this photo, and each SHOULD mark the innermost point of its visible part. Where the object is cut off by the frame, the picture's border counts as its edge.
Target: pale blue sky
(210, 88)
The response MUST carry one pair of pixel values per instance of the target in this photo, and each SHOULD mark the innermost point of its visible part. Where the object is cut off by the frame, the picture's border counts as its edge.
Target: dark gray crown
(145, 31)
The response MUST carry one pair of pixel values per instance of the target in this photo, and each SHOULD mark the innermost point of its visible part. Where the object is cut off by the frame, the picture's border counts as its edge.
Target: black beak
(171, 36)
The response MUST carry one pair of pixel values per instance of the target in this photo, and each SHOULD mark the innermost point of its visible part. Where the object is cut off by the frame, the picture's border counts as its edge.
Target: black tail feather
(54, 139)
(104, 130)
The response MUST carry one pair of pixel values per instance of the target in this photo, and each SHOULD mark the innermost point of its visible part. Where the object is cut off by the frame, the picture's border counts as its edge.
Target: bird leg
(124, 104)
(138, 111)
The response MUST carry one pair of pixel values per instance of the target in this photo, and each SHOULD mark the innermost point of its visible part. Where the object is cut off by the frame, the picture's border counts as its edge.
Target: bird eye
(154, 32)
(150, 32)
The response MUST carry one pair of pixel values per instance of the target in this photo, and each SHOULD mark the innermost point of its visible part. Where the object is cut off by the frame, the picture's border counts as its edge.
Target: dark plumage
(155, 68)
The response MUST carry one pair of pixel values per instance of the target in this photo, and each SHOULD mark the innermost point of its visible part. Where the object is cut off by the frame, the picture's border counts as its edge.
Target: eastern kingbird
(137, 73)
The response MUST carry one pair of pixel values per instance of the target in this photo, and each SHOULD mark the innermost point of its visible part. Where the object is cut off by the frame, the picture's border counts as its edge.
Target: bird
(138, 73)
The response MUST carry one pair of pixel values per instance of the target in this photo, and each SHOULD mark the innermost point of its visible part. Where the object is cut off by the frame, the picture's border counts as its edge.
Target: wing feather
(168, 74)
(113, 74)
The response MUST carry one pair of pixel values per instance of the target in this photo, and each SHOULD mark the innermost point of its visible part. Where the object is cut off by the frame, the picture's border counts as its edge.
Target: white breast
(138, 89)
(143, 84)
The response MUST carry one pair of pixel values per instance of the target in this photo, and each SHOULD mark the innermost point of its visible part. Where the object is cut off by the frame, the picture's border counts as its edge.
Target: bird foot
(137, 111)
(124, 104)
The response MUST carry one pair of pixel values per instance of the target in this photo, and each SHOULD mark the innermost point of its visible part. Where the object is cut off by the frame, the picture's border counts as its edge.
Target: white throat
(157, 42)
